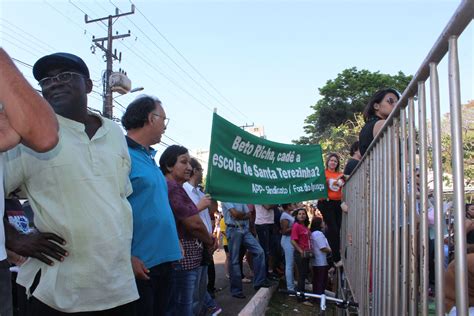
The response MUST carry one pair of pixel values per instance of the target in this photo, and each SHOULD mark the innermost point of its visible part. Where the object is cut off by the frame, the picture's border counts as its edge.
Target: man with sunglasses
(79, 191)
(24, 118)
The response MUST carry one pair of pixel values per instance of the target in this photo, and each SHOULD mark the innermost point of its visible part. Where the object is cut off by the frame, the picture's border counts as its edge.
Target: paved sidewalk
(231, 306)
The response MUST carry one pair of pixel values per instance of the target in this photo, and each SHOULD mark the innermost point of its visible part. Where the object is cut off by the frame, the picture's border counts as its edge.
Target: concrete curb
(259, 302)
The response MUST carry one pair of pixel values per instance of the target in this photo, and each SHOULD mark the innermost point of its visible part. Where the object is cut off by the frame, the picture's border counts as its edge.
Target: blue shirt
(229, 220)
(155, 238)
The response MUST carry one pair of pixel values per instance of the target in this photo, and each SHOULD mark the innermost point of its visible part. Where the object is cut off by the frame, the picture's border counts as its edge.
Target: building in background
(258, 131)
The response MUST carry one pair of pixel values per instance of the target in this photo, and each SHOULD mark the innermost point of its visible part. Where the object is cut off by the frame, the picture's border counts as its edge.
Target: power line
(186, 60)
(232, 108)
(72, 21)
(22, 48)
(22, 62)
(176, 64)
(104, 28)
(168, 78)
(9, 25)
(164, 62)
(164, 53)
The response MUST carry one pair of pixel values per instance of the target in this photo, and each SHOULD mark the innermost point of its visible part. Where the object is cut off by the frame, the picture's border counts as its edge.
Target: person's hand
(139, 269)
(204, 203)
(41, 246)
(340, 181)
(9, 138)
(15, 258)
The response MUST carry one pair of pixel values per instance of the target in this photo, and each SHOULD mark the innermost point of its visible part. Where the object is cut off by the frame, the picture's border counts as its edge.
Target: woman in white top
(320, 248)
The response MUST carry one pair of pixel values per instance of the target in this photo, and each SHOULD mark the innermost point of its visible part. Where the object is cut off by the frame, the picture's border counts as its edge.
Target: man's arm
(326, 249)
(238, 215)
(26, 116)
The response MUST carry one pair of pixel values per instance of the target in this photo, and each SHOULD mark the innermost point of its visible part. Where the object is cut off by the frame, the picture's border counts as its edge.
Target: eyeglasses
(63, 77)
(391, 101)
(165, 119)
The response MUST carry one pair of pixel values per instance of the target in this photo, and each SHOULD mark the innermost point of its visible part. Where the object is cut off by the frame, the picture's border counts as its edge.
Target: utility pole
(109, 55)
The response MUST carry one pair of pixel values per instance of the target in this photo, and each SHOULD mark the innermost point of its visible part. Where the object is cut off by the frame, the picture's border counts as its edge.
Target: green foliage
(340, 138)
(467, 111)
(343, 98)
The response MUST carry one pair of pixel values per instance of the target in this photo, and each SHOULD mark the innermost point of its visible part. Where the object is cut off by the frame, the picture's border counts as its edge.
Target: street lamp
(131, 91)
(136, 89)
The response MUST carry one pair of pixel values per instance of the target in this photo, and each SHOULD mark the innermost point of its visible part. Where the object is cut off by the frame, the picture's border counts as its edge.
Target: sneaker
(246, 280)
(291, 293)
(216, 310)
(338, 264)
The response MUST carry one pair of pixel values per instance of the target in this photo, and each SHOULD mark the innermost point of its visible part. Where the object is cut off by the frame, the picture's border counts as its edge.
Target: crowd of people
(108, 231)
(111, 232)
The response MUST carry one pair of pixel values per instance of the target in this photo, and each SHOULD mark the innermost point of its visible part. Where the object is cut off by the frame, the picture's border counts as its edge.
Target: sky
(256, 62)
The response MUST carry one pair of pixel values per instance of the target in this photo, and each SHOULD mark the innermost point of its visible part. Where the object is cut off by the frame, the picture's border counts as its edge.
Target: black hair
(354, 148)
(137, 112)
(295, 215)
(170, 156)
(316, 223)
(338, 160)
(286, 206)
(194, 165)
(369, 110)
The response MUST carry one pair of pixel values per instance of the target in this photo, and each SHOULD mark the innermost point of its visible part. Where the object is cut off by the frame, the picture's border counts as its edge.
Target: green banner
(244, 168)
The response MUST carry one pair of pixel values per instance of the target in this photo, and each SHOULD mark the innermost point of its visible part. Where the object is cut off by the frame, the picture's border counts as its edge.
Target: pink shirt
(300, 234)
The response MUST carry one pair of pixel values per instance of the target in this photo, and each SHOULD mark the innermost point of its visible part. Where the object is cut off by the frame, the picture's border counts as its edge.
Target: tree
(467, 111)
(343, 98)
(340, 138)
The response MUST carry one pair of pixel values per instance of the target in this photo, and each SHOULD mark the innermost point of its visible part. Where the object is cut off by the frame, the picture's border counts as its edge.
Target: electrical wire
(185, 59)
(85, 13)
(168, 78)
(193, 80)
(12, 27)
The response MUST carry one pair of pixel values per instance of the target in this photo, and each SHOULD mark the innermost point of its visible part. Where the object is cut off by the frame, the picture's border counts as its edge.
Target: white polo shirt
(79, 191)
(196, 195)
(263, 216)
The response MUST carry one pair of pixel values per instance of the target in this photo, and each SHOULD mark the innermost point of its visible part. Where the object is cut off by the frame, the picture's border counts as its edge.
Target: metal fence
(384, 238)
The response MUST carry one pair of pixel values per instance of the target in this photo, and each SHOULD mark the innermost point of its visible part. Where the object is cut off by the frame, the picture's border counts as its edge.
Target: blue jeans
(182, 289)
(264, 233)
(237, 237)
(289, 261)
(202, 300)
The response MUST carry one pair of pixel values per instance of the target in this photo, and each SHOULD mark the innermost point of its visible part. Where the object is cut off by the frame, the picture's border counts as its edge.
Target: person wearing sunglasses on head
(376, 112)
